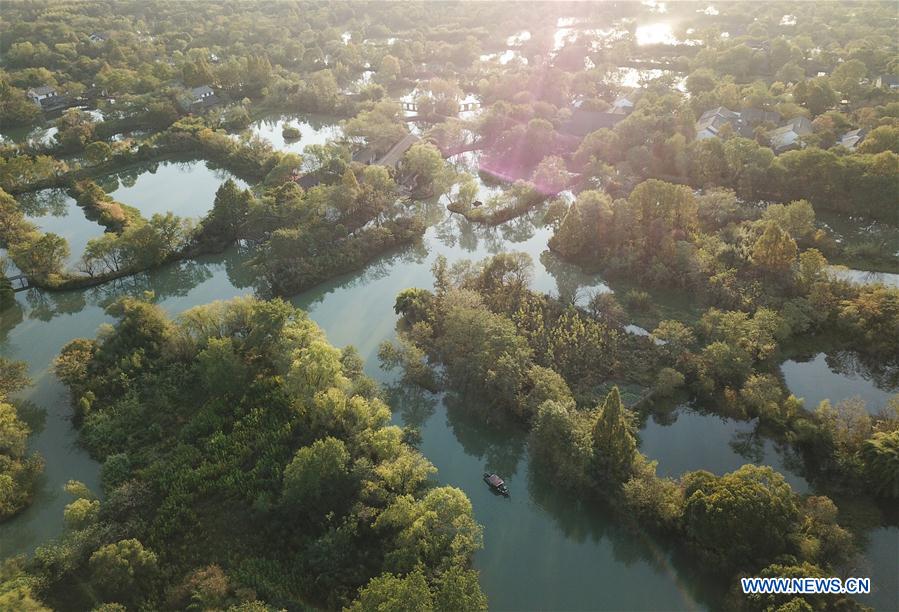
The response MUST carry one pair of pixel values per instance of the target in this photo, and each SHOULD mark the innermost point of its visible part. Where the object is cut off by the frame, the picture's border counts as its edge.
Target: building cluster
(789, 134)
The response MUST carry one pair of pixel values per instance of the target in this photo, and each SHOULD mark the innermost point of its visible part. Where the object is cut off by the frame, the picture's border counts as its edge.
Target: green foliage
(124, 570)
(614, 447)
(390, 592)
(316, 481)
(18, 471)
(740, 517)
(881, 454)
(240, 411)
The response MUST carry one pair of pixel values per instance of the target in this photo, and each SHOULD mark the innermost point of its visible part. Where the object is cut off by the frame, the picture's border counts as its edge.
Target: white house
(39, 94)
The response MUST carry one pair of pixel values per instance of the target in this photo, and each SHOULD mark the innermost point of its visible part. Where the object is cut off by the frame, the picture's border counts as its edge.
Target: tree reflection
(44, 305)
(413, 404)
(500, 444)
(45, 202)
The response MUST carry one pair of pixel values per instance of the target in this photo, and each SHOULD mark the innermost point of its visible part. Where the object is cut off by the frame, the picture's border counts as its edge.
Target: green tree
(458, 589)
(881, 454)
(40, 256)
(389, 70)
(97, 152)
(740, 518)
(614, 446)
(408, 593)
(880, 139)
(317, 478)
(124, 571)
(229, 212)
(775, 250)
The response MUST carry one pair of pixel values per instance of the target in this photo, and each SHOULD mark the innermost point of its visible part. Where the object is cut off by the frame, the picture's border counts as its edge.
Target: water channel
(543, 550)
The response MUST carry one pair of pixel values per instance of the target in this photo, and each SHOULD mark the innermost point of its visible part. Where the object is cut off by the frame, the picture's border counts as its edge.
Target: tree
(883, 138)
(123, 571)
(424, 162)
(551, 175)
(881, 454)
(775, 250)
(614, 446)
(740, 518)
(458, 589)
(543, 385)
(847, 77)
(40, 256)
(796, 218)
(97, 152)
(317, 479)
(409, 593)
(389, 70)
(229, 212)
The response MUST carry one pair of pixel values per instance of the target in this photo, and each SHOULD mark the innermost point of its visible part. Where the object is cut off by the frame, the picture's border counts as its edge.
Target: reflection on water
(866, 277)
(35, 330)
(543, 549)
(633, 78)
(314, 129)
(840, 375)
(186, 188)
(687, 440)
(880, 564)
(52, 210)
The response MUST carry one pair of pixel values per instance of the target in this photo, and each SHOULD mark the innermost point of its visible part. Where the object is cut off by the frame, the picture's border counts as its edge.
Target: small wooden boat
(496, 483)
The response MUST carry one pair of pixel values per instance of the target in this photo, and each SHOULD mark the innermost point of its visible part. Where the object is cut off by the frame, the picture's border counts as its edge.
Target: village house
(852, 138)
(887, 81)
(623, 105)
(711, 122)
(742, 122)
(198, 99)
(789, 135)
(46, 97)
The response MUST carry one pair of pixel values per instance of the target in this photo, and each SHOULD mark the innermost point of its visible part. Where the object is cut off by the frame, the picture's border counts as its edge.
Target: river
(543, 550)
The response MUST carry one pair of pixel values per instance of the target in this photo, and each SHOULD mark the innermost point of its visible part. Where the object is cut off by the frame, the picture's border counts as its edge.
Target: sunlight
(655, 34)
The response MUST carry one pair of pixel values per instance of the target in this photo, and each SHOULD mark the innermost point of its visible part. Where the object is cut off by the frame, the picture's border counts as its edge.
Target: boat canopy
(494, 480)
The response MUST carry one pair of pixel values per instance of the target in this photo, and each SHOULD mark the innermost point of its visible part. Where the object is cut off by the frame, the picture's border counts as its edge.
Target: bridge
(463, 107)
(19, 282)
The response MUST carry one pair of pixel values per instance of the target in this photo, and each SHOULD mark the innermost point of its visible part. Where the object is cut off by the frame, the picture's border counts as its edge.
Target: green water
(186, 188)
(687, 440)
(314, 129)
(543, 550)
(840, 375)
(52, 210)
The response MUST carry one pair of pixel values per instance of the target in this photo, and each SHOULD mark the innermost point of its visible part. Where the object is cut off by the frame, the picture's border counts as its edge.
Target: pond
(40, 135)
(634, 78)
(866, 277)
(840, 375)
(314, 129)
(688, 440)
(35, 330)
(53, 210)
(543, 549)
(186, 188)
(866, 244)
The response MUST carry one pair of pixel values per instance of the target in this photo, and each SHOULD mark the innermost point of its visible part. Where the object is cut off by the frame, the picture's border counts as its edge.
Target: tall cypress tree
(614, 446)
